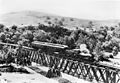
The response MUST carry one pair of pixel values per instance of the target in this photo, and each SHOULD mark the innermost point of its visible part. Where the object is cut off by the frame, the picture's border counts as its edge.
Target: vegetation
(96, 41)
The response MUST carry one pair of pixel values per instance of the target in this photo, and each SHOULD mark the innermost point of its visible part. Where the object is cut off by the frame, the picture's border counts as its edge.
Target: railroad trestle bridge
(87, 71)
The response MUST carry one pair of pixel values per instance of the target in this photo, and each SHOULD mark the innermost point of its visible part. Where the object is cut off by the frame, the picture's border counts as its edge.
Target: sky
(85, 9)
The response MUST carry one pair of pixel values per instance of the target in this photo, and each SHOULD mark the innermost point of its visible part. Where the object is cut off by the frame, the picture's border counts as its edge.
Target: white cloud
(88, 9)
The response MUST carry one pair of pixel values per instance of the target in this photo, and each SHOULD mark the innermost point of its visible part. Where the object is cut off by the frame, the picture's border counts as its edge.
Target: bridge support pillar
(53, 73)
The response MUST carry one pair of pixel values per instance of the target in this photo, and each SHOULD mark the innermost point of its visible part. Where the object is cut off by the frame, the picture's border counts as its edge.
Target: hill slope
(33, 17)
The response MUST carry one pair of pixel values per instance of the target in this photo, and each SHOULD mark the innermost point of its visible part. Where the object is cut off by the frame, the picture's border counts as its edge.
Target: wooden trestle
(86, 71)
(78, 69)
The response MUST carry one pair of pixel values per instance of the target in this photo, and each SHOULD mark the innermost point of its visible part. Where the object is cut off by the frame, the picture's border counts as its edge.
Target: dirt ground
(35, 77)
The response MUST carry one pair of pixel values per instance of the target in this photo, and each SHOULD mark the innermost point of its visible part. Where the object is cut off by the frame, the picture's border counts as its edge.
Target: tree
(27, 35)
(49, 22)
(1, 27)
(53, 40)
(14, 27)
(61, 40)
(71, 19)
(56, 19)
(119, 24)
(48, 18)
(60, 23)
(2, 36)
(69, 41)
(63, 19)
(40, 35)
(106, 27)
(112, 28)
(90, 24)
(30, 27)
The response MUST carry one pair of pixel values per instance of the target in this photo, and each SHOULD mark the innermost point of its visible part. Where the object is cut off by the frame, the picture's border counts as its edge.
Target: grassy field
(33, 18)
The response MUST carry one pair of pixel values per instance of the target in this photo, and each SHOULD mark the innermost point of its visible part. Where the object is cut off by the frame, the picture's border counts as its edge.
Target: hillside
(33, 17)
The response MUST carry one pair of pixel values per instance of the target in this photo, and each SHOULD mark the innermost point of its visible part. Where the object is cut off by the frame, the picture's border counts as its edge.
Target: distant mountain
(33, 18)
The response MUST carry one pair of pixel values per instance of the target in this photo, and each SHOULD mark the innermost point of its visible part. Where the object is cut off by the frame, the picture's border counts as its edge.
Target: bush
(71, 19)
(14, 27)
(27, 35)
(48, 18)
(40, 35)
(30, 27)
(1, 27)
(63, 19)
(60, 23)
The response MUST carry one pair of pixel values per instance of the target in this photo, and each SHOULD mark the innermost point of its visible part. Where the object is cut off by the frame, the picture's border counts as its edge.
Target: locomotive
(62, 51)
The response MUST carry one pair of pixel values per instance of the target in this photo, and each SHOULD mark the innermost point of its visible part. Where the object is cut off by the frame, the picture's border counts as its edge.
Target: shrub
(48, 18)
(1, 27)
(40, 35)
(14, 27)
(30, 27)
(71, 19)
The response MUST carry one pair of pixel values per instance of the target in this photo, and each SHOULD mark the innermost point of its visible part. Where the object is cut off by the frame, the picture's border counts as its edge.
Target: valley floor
(35, 77)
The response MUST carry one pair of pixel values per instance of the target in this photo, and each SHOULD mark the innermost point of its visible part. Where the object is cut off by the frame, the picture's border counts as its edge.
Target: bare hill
(33, 17)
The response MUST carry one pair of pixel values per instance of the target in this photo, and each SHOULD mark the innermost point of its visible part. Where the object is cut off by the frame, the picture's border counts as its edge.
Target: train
(63, 51)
